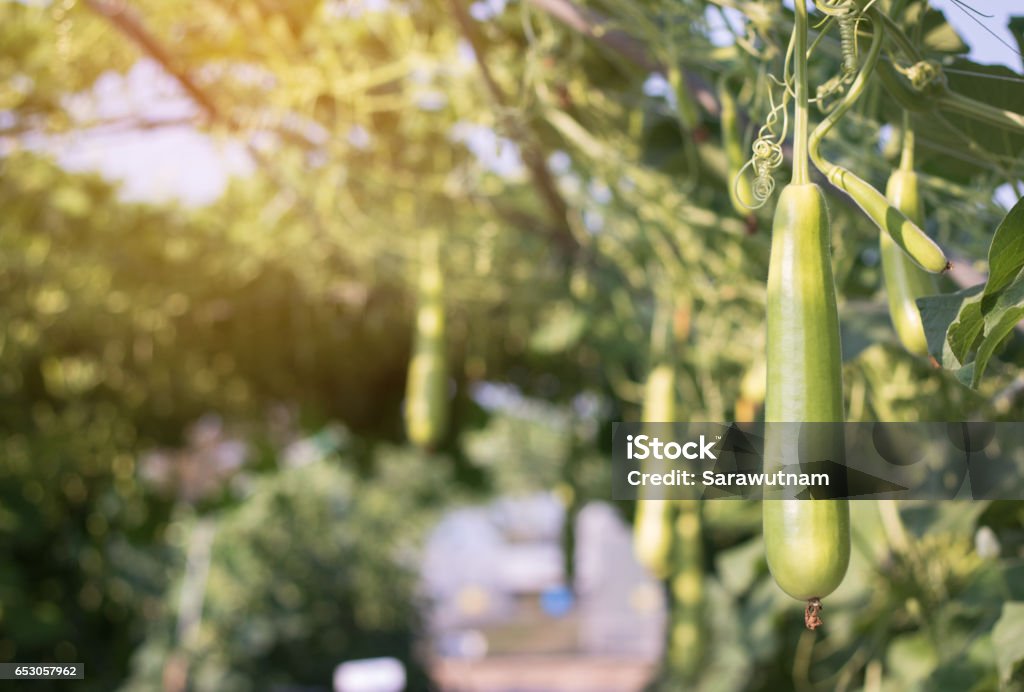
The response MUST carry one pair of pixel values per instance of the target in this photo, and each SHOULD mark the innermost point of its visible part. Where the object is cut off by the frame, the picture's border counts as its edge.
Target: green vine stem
(941, 96)
(964, 105)
(904, 232)
(907, 147)
(801, 175)
(854, 93)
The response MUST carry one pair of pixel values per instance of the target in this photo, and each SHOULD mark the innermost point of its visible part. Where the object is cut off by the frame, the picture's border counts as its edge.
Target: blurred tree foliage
(566, 188)
(314, 562)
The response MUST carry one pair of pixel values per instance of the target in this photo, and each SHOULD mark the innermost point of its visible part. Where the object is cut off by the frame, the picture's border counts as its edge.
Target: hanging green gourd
(652, 530)
(807, 542)
(905, 282)
(426, 394)
(686, 640)
(740, 193)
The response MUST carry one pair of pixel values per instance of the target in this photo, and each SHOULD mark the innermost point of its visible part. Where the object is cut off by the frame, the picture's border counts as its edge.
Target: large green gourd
(807, 542)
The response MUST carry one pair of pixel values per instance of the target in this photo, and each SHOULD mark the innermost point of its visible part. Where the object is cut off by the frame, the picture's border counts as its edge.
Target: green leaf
(971, 329)
(965, 375)
(990, 84)
(1005, 255)
(1016, 27)
(1008, 311)
(963, 333)
(939, 35)
(979, 319)
(937, 315)
(1008, 639)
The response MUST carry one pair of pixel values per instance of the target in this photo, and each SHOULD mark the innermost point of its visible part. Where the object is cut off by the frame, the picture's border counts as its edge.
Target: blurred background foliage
(219, 387)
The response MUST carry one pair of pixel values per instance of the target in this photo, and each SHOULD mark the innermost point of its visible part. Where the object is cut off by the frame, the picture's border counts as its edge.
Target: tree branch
(126, 21)
(131, 25)
(533, 156)
(107, 126)
(118, 14)
(595, 26)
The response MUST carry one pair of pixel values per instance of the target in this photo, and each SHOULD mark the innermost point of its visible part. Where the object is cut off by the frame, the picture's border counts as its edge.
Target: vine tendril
(924, 74)
(767, 153)
(847, 14)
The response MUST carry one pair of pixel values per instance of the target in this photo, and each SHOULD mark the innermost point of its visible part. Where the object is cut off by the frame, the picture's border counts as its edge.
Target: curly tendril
(767, 155)
(924, 74)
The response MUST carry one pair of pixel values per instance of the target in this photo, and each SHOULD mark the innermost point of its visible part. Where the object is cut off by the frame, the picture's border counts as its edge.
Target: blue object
(557, 601)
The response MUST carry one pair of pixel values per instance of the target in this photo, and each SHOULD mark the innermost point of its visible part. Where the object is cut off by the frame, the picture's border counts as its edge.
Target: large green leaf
(957, 147)
(998, 325)
(1005, 255)
(939, 36)
(964, 333)
(979, 319)
(938, 313)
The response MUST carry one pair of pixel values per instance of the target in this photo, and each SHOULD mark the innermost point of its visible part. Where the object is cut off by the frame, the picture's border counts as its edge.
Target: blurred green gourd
(652, 526)
(426, 395)
(905, 282)
(740, 193)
